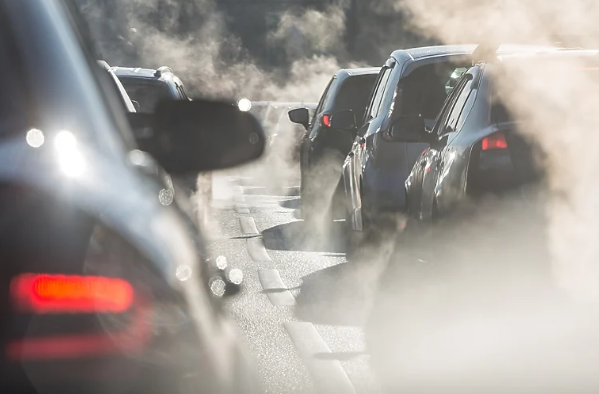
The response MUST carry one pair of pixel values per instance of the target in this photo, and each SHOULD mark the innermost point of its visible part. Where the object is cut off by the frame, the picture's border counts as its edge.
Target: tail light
(70, 294)
(326, 120)
(494, 141)
(47, 295)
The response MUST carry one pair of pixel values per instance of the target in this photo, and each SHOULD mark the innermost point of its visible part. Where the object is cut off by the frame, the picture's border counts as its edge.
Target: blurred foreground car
(103, 286)
(324, 147)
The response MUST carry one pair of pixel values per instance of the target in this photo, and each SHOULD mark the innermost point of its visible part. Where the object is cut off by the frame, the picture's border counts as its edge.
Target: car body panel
(95, 172)
(375, 173)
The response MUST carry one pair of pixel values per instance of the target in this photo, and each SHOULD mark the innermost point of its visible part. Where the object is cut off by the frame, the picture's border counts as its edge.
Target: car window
(379, 92)
(448, 106)
(148, 93)
(460, 103)
(323, 100)
(423, 91)
(354, 94)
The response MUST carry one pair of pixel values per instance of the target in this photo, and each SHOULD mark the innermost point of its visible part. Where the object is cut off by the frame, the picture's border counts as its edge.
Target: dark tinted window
(148, 93)
(424, 91)
(354, 94)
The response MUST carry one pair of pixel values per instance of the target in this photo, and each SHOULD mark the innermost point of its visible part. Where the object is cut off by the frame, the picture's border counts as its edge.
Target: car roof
(359, 71)
(544, 56)
(146, 73)
(415, 54)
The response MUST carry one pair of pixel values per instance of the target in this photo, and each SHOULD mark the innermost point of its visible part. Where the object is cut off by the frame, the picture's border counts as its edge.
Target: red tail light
(495, 141)
(326, 120)
(70, 294)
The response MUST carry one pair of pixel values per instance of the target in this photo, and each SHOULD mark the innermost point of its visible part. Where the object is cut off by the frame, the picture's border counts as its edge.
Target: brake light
(495, 141)
(70, 294)
(326, 120)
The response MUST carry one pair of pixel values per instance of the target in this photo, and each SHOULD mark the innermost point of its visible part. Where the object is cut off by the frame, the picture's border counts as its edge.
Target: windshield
(148, 93)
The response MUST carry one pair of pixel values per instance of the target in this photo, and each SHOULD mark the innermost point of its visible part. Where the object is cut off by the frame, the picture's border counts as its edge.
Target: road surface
(303, 305)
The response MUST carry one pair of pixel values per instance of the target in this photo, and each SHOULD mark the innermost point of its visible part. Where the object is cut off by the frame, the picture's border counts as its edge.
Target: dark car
(103, 286)
(324, 147)
(480, 270)
(374, 172)
(475, 147)
(148, 87)
(412, 82)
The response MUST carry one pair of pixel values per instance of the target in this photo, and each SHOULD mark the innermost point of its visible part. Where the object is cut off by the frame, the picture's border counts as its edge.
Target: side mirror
(193, 136)
(409, 128)
(300, 116)
(343, 120)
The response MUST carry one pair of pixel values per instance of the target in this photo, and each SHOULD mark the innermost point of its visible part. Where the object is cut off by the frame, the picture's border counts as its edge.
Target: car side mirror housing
(300, 115)
(343, 120)
(193, 136)
(409, 128)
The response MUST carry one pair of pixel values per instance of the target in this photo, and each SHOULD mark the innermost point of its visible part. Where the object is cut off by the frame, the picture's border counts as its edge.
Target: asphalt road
(303, 305)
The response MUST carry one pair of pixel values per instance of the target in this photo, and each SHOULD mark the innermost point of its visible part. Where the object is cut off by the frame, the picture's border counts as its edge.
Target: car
(129, 105)
(412, 81)
(491, 252)
(324, 147)
(475, 147)
(149, 86)
(104, 287)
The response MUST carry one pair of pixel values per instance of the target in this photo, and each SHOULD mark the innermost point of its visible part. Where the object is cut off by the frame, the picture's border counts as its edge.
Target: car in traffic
(324, 146)
(104, 286)
(479, 262)
(476, 147)
(412, 82)
(148, 86)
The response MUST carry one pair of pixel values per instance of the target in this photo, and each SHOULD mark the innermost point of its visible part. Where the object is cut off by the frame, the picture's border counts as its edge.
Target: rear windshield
(424, 91)
(148, 93)
(354, 94)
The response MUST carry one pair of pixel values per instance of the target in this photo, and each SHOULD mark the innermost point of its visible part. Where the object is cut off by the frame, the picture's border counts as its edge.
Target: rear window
(148, 93)
(354, 94)
(424, 91)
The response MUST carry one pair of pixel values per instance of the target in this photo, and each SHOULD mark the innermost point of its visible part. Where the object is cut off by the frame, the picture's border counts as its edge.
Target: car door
(352, 168)
(414, 183)
(434, 159)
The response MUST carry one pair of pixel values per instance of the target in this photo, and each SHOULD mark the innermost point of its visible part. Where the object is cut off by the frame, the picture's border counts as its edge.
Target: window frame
(448, 106)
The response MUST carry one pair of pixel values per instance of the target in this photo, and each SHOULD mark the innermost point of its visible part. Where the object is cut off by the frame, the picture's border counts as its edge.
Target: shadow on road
(297, 236)
(343, 294)
(291, 204)
(338, 295)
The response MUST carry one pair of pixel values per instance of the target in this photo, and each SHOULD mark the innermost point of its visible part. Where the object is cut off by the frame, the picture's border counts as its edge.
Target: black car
(148, 87)
(324, 147)
(480, 271)
(412, 82)
(104, 287)
(475, 147)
